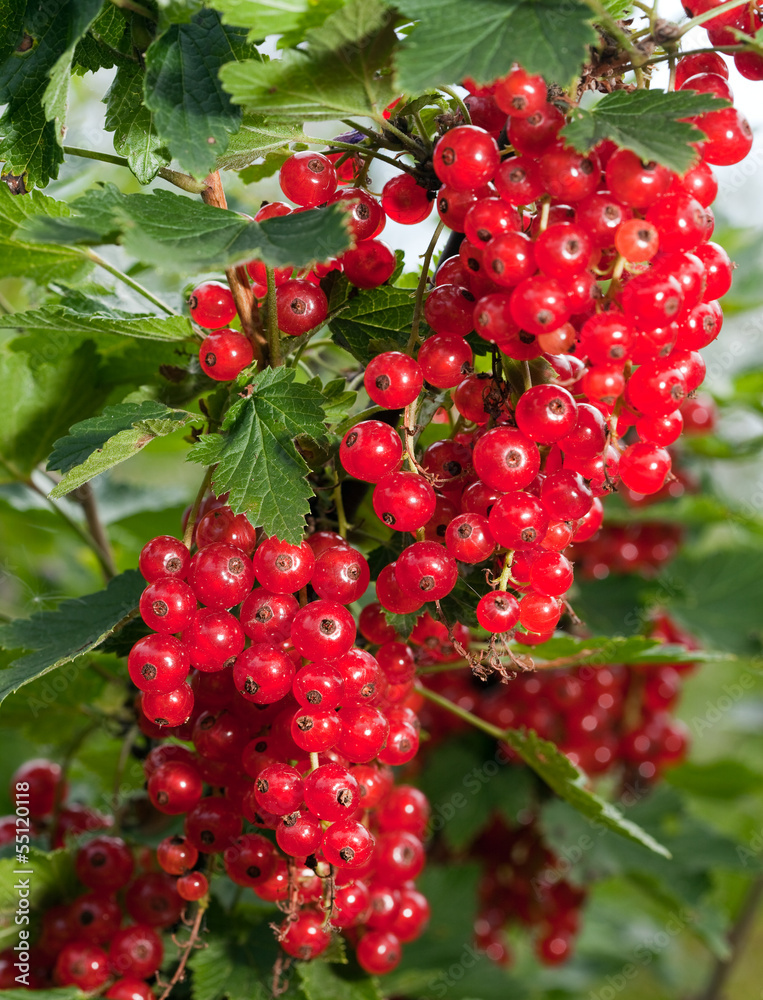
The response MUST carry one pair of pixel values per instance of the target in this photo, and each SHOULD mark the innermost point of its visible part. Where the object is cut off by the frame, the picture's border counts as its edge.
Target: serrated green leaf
(34, 85)
(35, 261)
(99, 443)
(562, 777)
(632, 650)
(271, 164)
(543, 35)
(327, 981)
(344, 69)
(374, 320)
(106, 44)
(192, 113)
(173, 232)
(225, 968)
(133, 125)
(402, 624)
(258, 461)
(338, 400)
(75, 627)
(258, 136)
(645, 121)
(460, 604)
(57, 318)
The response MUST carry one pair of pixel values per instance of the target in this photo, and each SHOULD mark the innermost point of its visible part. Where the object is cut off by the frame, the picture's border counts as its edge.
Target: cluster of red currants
(721, 30)
(84, 942)
(294, 730)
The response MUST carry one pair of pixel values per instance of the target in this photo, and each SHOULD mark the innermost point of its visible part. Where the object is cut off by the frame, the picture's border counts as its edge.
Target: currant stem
(418, 307)
(333, 145)
(193, 516)
(273, 333)
(341, 516)
(503, 581)
(314, 761)
(355, 418)
(410, 144)
(459, 102)
(176, 177)
(461, 713)
(187, 948)
(85, 498)
(130, 282)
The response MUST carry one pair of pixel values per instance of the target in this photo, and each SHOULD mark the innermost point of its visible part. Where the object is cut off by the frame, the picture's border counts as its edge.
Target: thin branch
(192, 517)
(707, 15)
(273, 333)
(85, 498)
(136, 8)
(462, 713)
(130, 282)
(176, 177)
(186, 950)
(461, 106)
(418, 307)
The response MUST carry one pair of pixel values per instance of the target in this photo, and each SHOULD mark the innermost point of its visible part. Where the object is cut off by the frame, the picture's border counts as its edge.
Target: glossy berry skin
(570, 176)
(392, 596)
(263, 674)
(565, 495)
(393, 379)
(192, 886)
(283, 568)
(660, 430)
(718, 270)
(369, 264)
(606, 338)
(164, 556)
(506, 459)
(130, 988)
(136, 951)
(249, 860)
(279, 789)
(539, 305)
(404, 501)
(319, 685)
(341, 574)
(299, 834)
(701, 62)
(35, 784)
(400, 855)
(656, 389)
(347, 843)
(465, 157)
(351, 904)
(158, 663)
(448, 310)
(729, 137)
(222, 525)
(370, 450)
(83, 965)
(588, 437)
(212, 825)
(223, 355)
(212, 639)
(365, 217)
(518, 521)
(563, 249)
(425, 570)
(518, 181)
(468, 538)
(170, 708)
(497, 611)
(637, 240)
(601, 215)
(551, 574)
(331, 792)
(402, 743)
(315, 729)
(175, 788)
(405, 201)
(305, 937)
(378, 952)
(152, 899)
(104, 863)
(364, 732)
(301, 306)
(634, 183)
(538, 613)
(211, 305)
(323, 630)
(643, 467)
(445, 359)
(534, 135)
(308, 179)
(176, 855)
(546, 413)
(508, 259)
(221, 575)
(94, 917)
(680, 221)
(167, 605)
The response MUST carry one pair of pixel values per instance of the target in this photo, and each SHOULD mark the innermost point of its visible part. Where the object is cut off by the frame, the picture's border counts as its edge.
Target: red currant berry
(223, 355)
(518, 521)
(104, 863)
(301, 306)
(364, 213)
(37, 784)
(392, 596)
(364, 732)
(570, 176)
(404, 501)
(283, 568)
(167, 606)
(448, 310)
(308, 179)
(466, 157)
(305, 937)
(520, 94)
(331, 792)
(506, 459)
(518, 181)
(323, 630)
(299, 834)
(546, 413)
(566, 496)
(538, 613)
(643, 467)
(211, 305)
(347, 844)
(212, 825)
(193, 886)
(263, 674)
(370, 264)
(497, 611)
(468, 538)
(175, 788)
(445, 359)
(509, 258)
(212, 639)
(425, 570)
(405, 201)
(136, 951)
(176, 855)
(158, 663)
(221, 575)
(370, 450)
(164, 556)
(393, 379)
(83, 965)
(170, 708)
(250, 860)
(534, 135)
(222, 525)
(538, 305)
(341, 574)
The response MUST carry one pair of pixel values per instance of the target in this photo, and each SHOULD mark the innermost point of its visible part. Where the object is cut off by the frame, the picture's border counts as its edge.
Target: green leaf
(716, 595)
(718, 779)
(338, 400)
(258, 136)
(34, 85)
(460, 604)
(402, 624)
(173, 232)
(603, 650)
(375, 320)
(327, 981)
(192, 113)
(543, 35)
(344, 69)
(133, 125)
(273, 17)
(55, 318)
(37, 262)
(99, 443)
(562, 777)
(225, 968)
(645, 121)
(75, 627)
(258, 460)
(106, 44)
